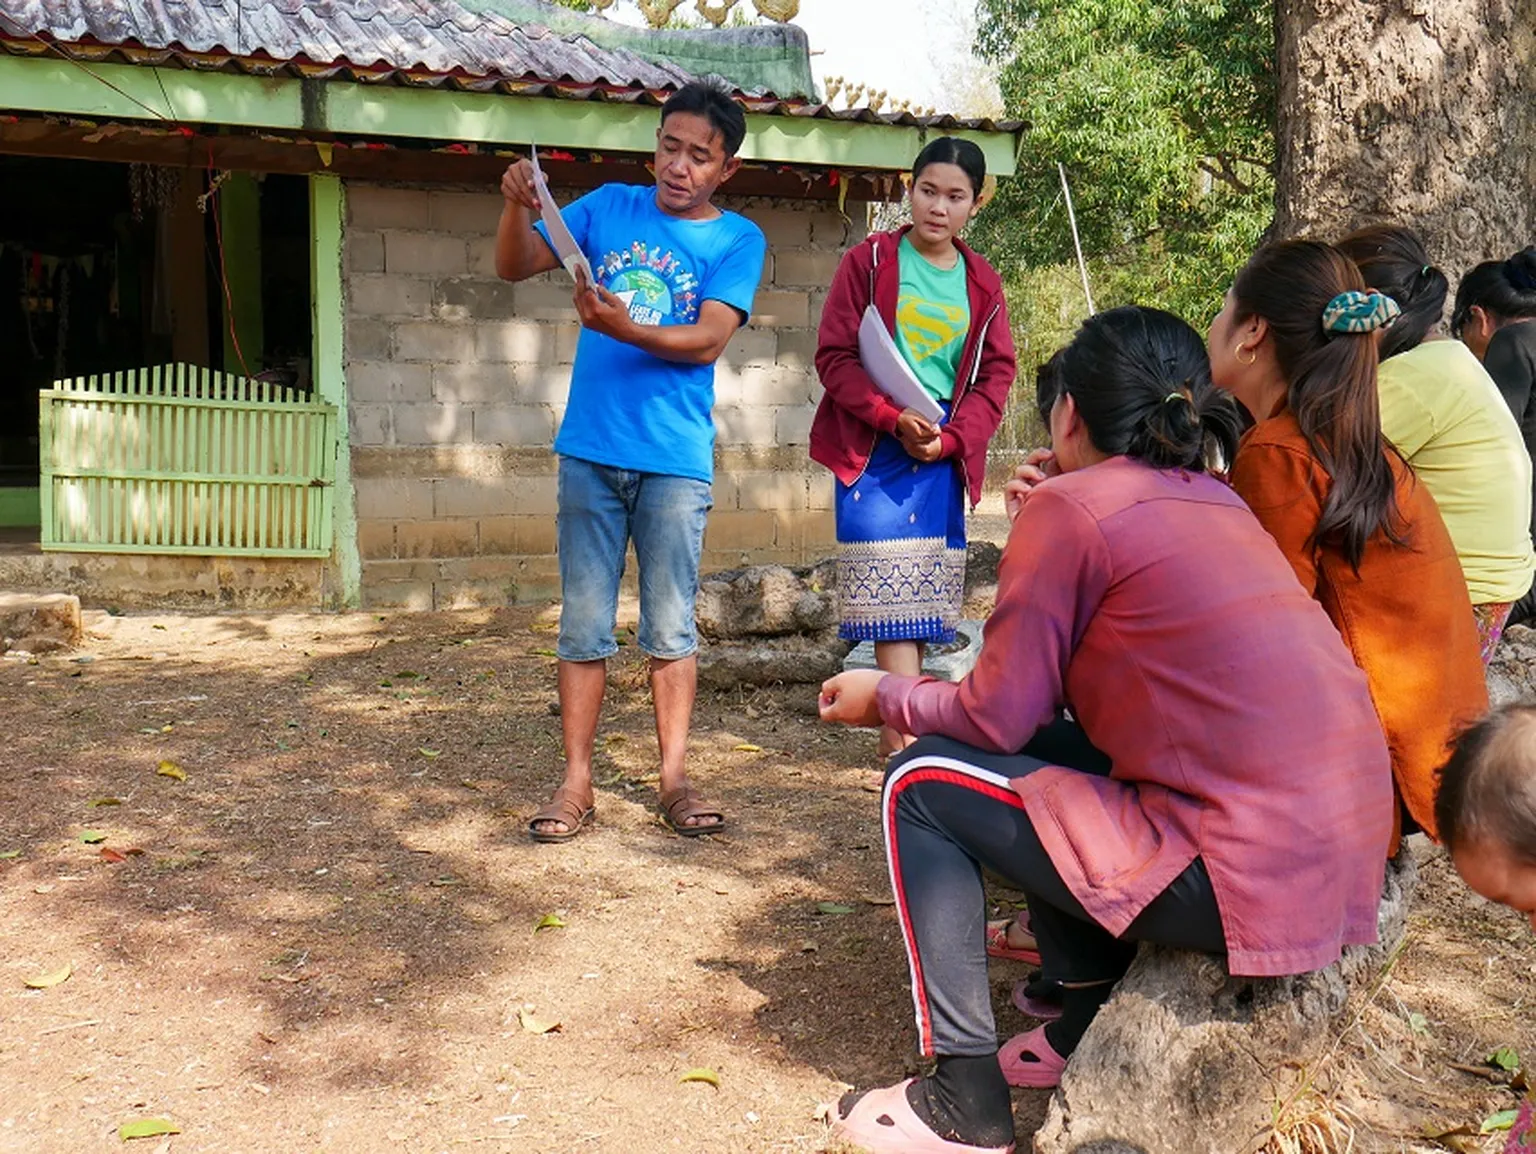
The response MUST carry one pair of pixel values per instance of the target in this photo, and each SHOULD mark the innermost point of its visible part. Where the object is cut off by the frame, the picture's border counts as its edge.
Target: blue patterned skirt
(901, 531)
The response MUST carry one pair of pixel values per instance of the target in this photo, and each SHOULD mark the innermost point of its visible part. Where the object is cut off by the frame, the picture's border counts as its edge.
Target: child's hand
(850, 697)
(1038, 466)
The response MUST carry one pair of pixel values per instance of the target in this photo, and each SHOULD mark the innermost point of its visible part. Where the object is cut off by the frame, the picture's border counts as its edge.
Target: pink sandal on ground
(1035, 1007)
(883, 1122)
(1041, 1070)
(998, 947)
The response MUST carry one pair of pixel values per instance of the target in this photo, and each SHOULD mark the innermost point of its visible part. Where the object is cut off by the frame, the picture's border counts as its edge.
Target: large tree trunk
(1416, 111)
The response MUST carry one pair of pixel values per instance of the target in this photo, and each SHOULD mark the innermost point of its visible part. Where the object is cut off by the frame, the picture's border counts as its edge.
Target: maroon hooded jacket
(854, 412)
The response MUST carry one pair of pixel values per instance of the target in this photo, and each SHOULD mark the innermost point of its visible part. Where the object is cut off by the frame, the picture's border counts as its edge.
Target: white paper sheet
(889, 369)
(560, 237)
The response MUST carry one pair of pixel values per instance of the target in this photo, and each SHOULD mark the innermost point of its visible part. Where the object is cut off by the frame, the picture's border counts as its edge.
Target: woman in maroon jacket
(902, 479)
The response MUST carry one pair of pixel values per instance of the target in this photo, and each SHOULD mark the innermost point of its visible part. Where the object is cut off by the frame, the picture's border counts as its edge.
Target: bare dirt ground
(328, 940)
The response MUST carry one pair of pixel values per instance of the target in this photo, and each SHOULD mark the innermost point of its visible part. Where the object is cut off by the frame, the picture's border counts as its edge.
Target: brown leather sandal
(566, 806)
(678, 805)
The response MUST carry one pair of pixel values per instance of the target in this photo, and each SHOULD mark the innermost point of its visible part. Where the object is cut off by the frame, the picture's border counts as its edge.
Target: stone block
(744, 530)
(783, 227)
(482, 256)
(517, 535)
(745, 425)
(833, 230)
(797, 349)
(782, 309)
(496, 496)
(791, 660)
(474, 382)
(772, 492)
(364, 251)
(389, 296)
(393, 498)
(822, 490)
(373, 206)
(529, 425)
(436, 539)
(527, 342)
(792, 424)
(545, 299)
(763, 601)
(751, 348)
(369, 381)
(812, 267)
(474, 299)
(425, 254)
(765, 386)
(370, 424)
(39, 622)
(433, 424)
(369, 340)
(434, 341)
(478, 213)
(376, 539)
(412, 596)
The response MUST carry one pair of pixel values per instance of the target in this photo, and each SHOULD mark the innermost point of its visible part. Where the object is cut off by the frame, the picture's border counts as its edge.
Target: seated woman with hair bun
(1235, 795)
(1296, 344)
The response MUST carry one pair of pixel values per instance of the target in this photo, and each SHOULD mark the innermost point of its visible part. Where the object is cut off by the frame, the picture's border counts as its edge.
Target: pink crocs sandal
(883, 1122)
(998, 947)
(1040, 1070)
(1037, 1008)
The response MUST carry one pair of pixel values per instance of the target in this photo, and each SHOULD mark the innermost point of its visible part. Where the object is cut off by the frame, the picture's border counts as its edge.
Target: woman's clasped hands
(918, 436)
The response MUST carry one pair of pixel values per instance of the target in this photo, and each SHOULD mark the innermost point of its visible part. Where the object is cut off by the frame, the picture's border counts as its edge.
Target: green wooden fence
(180, 459)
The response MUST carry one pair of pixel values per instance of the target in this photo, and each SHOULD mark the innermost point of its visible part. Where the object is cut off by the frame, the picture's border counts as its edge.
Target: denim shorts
(601, 509)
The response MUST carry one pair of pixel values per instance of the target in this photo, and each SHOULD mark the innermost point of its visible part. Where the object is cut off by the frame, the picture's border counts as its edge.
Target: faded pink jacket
(1156, 607)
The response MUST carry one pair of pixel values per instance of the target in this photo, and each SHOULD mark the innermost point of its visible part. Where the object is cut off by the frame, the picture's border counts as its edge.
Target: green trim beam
(327, 213)
(240, 230)
(376, 112)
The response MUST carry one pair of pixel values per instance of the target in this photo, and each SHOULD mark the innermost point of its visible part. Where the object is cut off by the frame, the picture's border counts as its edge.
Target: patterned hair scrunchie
(1357, 312)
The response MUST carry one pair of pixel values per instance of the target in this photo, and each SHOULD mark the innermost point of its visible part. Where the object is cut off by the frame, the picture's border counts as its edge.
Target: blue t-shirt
(627, 408)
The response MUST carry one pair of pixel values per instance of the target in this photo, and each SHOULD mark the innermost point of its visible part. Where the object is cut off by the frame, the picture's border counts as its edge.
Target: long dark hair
(1393, 261)
(1331, 380)
(1506, 289)
(965, 154)
(1141, 381)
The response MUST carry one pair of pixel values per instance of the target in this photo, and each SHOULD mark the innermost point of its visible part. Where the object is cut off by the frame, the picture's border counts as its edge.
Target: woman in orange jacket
(1296, 343)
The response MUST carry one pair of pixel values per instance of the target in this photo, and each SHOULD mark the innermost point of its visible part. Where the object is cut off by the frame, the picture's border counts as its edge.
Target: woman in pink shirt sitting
(1248, 800)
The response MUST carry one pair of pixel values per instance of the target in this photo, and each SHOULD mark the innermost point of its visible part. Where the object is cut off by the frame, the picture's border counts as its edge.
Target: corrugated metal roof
(421, 43)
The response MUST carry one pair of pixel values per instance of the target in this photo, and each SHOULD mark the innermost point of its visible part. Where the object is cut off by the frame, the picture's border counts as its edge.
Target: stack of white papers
(889, 369)
(560, 237)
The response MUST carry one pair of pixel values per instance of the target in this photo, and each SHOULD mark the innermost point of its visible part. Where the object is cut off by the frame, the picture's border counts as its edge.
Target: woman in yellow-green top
(1443, 413)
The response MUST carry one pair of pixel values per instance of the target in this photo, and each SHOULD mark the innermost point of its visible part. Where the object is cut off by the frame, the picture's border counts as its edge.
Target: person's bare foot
(1017, 937)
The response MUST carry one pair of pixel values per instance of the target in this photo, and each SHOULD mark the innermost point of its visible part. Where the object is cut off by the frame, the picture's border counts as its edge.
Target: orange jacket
(1406, 616)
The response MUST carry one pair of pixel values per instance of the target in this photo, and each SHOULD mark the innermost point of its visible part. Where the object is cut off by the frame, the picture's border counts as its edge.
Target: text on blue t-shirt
(629, 409)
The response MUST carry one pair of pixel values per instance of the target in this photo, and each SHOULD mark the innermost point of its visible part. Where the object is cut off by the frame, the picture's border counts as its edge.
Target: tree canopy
(1163, 115)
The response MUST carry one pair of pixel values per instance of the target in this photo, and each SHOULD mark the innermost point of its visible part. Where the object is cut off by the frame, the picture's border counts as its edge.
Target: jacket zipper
(869, 453)
(981, 340)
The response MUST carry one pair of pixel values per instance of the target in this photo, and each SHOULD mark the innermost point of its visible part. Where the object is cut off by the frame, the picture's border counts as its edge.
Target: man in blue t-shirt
(675, 277)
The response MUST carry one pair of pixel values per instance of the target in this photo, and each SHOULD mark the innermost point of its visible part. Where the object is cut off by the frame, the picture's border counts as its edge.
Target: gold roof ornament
(833, 85)
(658, 12)
(781, 11)
(716, 13)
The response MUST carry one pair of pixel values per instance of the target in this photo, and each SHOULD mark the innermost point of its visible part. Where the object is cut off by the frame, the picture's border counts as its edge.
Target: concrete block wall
(457, 383)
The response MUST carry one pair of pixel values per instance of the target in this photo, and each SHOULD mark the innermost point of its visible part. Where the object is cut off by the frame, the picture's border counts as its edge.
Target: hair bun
(1358, 312)
(1520, 270)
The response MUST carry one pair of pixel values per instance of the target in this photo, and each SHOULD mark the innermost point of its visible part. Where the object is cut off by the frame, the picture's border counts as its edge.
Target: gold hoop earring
(1237, 354)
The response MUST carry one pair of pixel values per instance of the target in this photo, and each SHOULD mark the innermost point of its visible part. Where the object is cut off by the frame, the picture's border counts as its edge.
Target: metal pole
(1076, 241)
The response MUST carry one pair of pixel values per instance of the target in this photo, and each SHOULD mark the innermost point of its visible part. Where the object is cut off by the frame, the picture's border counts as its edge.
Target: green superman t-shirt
(933, 314)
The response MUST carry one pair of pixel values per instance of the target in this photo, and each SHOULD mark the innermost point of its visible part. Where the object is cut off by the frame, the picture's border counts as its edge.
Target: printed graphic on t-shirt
(930, 327)
(653, 285)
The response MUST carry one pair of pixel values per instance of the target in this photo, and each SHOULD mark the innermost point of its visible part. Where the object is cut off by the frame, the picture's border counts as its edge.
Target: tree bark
(1421, 112)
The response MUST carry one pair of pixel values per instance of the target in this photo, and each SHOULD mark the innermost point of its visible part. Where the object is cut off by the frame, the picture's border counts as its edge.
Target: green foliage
(1163, 115)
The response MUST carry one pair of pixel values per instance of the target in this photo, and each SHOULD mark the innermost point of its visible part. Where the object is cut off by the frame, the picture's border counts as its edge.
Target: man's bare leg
(674, 684)
(581, 687)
